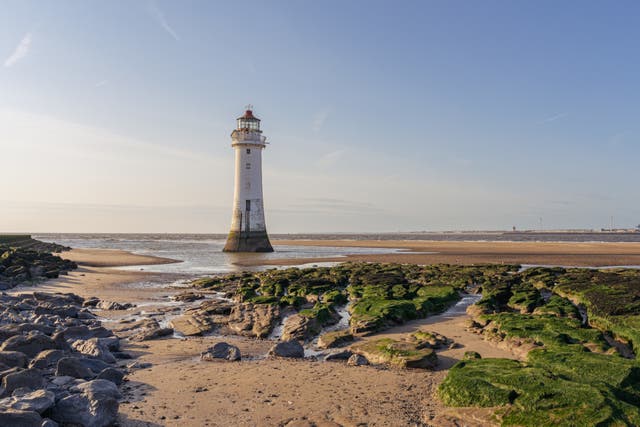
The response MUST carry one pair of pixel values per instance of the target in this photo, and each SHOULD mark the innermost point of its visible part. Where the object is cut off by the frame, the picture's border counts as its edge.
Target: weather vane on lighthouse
(248, 229)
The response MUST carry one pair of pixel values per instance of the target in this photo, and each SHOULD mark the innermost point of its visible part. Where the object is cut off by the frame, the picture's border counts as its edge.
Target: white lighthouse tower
(248, 230)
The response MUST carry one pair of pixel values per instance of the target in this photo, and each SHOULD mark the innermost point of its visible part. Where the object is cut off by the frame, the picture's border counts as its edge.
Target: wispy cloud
(331, 158)
(102, 83)
(319, 119)
(21, 50)
(554, 118)
(158, 15)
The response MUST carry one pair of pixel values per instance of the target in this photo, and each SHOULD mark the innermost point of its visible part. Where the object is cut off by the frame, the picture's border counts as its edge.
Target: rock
(95, 406)
(73, 367)
(13, 359)
(95, 365)
(357, 360)
(111, 305)
(62, 380)
(302, 328)
(253, 320)
(30, 345)
(213, 306)
(342, 355)
(402, 354)
(82, 332)
(111, 374)
(192, 324)
(471, 355)
(221, 350)
(139, 365)
(149, 334)
(335, 339)
(100, 389)
(187, 297)
(292, 349)
(96, 348)
(424, 339)
(49, 423)
(47, 359)
(28, 378)
(20, 419)
(36, 401)
(91, 302)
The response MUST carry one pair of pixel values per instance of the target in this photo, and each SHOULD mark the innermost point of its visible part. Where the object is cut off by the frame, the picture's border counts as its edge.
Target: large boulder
(28, 378)
(73, 367)
(221, 350)
(35, 401)
(292, 349)
(335, 339)
(111, 374)
(95, 347)
(146, 334)
(253, 320)
(13, 359)
(299, 327)
(30, 345)
(401, 354)
(47, 359)
(96, 405)
(192, 324)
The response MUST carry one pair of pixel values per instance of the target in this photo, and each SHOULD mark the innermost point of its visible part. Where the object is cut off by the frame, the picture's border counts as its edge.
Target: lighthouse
(248, 229)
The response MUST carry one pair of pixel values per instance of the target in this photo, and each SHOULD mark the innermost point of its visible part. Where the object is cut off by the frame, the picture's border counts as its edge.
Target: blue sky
(382, 116)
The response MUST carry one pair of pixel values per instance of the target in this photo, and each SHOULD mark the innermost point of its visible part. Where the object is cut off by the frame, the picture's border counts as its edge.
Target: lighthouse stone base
(248, 241)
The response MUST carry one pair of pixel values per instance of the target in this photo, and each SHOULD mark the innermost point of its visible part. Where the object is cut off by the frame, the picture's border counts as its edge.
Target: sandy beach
(180, 390)
(585, 254)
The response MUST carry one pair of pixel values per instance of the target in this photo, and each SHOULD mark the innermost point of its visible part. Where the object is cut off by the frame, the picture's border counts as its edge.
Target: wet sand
(587, 254)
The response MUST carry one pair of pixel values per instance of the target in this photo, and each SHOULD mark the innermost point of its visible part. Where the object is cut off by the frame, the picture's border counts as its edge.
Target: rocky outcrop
(289, 349)
(94, 404)
(55, 363)
(398, 353)
(22, 262)
(253, 320)
(221, 351)
(335, 339)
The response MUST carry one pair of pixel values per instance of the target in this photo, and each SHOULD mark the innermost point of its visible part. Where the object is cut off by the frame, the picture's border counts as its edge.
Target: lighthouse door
(248, 209)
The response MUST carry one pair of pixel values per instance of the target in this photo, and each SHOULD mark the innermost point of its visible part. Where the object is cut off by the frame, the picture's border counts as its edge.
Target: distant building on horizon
(248, 229)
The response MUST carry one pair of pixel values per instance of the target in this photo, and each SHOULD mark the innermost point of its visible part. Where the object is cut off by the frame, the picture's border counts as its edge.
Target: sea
(201, 254)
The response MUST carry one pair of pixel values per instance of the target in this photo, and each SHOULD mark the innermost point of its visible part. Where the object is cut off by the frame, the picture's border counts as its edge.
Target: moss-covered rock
(401, 354)
(335, 339)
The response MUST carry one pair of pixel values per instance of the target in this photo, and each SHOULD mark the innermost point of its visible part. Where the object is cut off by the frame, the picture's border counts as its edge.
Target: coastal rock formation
(254, 320)
(401, 354)
(23, 259)
(290, 349)
(55, 363)
(221, 350)
(335, 339)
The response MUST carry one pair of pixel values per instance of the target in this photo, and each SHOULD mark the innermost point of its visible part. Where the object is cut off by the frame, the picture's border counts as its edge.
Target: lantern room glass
(249, 124)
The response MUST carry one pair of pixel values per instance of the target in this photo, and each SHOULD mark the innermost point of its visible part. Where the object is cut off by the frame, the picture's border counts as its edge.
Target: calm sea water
(199, 254)
(202, 253)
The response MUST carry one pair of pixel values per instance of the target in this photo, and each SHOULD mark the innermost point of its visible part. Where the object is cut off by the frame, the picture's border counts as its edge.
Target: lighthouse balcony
(248, 137)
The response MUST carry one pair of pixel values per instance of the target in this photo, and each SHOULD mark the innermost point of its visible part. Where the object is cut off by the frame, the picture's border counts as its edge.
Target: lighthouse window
(248, 166)
(248, 150)
(248, 205)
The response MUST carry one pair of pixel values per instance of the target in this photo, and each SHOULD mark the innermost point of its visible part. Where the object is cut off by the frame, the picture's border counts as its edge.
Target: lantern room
(249, 122)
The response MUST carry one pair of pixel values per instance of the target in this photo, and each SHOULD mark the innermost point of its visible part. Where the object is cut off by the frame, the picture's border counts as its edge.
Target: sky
(382, 116)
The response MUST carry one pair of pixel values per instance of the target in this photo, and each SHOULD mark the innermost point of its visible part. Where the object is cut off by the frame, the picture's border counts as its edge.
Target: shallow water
(199, 254)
